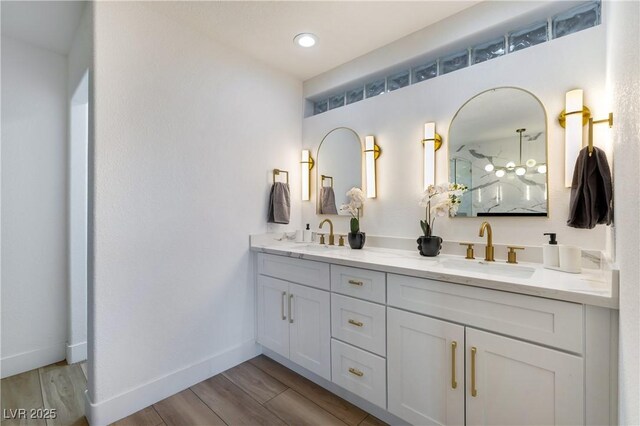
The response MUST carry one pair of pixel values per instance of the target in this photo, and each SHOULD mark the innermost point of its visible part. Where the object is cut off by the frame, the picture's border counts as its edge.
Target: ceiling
(346, 29)
(46, 24)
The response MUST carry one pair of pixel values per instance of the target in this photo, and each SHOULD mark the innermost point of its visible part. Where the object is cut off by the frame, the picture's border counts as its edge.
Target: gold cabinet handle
(358, 283)
(284, 296)
(474, 391)
(290, 309)
(356, 372)
(356, 323)
(454, 384)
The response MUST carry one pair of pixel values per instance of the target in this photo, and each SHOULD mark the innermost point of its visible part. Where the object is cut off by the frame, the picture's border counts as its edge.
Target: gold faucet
(331, 236)
(488, 252)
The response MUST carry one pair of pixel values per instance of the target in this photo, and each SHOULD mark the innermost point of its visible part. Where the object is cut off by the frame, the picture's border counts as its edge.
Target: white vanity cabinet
(510, 382)
(431, 352)
(503, 381)
(426, 369)
(294, 319)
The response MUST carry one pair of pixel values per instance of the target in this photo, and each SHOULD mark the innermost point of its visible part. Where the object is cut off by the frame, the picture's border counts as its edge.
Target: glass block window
(576, 19)
(425, 72)
(529, 36)
(588, 14)
(454, 62)
(484, 52)
(355, 95)
(336, 101)
(320, 107)
(397, 81)
(375, 88)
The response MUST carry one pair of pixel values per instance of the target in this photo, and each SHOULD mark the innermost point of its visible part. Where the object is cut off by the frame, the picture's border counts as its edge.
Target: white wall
(79, 61)
(186, 133)
(34, 206)
(623, 90)
(396, 119)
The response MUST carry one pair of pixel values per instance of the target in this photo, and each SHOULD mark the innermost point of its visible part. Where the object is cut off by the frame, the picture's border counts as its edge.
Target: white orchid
(356, 196)
(356, 202)
(440, 201)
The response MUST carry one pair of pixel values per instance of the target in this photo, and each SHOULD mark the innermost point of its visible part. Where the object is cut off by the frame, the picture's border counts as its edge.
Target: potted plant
(356, 202)
(440, 200)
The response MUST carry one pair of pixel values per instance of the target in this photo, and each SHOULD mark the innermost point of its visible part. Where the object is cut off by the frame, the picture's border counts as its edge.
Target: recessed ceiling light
(489, 167)
(542, 168)
(305, 39)
(499, 173)
(520, 171)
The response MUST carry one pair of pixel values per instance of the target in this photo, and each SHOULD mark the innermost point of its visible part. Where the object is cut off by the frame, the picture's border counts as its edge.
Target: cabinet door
(425, 369)
(273, 323)
(310, 330)
(518, 383)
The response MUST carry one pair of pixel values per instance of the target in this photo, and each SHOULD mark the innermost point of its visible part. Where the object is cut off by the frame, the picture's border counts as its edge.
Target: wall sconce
(306, 164)
(431, 142)
(573, 118)
(371, 154)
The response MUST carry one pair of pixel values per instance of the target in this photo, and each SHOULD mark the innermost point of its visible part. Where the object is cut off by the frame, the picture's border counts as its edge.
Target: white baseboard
(113, 409)
(76, 353)
(367, 406)
(25, 361)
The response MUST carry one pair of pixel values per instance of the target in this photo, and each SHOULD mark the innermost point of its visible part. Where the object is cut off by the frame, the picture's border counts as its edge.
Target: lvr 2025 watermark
(31, 413)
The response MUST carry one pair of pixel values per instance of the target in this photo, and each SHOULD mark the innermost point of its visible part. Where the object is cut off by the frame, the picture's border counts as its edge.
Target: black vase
(356, 239)
(429, 246)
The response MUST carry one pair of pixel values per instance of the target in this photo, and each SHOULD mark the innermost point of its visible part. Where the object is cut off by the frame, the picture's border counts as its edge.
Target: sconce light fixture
(306, 164)
(431, 142)
(573, 118)
(371, 154)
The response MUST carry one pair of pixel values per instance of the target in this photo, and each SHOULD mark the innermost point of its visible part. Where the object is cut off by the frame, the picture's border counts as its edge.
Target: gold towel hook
(608, 120)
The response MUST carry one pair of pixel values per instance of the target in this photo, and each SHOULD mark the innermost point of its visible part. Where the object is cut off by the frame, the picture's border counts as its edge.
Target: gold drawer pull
(454, 384)
(284, 296)
(358, 283)
(474, 391)
(356, 323)
(356, 372)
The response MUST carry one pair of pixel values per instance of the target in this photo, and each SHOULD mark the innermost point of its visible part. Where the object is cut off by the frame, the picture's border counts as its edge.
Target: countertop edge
(529, 290)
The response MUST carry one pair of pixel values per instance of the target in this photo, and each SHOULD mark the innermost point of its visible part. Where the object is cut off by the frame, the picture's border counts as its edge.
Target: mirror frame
(546, 147)
(318, 182)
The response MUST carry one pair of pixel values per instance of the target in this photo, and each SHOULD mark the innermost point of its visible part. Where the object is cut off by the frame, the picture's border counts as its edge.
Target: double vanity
(441, 340)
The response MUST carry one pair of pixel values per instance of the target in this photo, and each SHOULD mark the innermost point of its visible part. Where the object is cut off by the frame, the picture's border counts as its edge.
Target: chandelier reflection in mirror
(498, 149)
(521, 168)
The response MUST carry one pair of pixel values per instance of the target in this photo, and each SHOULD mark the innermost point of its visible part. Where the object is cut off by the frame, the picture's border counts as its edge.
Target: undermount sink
(322, 247)
(513, 271)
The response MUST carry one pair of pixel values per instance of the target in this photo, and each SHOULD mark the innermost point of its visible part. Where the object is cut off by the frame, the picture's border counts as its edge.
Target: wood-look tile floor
(257, 392)
(58, 387)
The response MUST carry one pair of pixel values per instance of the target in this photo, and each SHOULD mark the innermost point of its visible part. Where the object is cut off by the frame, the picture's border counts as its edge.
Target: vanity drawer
(360, 372)
(306, 272)
(550, 322)
(360, 323)
(360, 283)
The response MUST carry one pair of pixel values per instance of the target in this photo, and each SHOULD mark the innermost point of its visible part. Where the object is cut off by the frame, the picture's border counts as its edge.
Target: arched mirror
(498, 149)
(338, 169)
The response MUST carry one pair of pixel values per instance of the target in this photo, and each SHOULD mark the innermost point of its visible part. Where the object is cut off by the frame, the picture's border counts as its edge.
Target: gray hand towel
(327, 201)
(591, 191)
(279, 203)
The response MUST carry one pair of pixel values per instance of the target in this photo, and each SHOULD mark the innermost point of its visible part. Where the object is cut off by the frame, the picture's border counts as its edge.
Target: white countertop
(598, 287)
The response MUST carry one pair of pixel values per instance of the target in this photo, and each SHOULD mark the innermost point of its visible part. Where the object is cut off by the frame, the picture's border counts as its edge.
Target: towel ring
(325, 177)
(276, 172)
